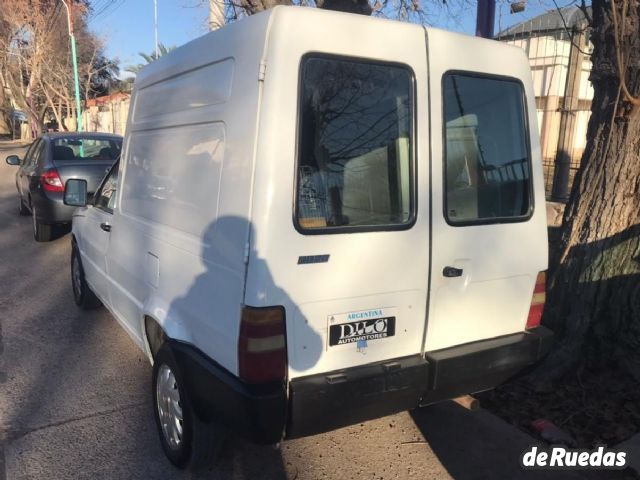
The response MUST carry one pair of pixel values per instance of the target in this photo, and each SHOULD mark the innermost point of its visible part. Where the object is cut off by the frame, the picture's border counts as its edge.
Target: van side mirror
(75, 192)
(13, 160)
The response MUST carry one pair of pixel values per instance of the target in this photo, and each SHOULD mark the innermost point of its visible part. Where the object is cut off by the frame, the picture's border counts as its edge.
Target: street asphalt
(75, 397)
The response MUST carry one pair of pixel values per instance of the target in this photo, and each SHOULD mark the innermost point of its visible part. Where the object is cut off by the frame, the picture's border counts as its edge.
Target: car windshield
(90, 148)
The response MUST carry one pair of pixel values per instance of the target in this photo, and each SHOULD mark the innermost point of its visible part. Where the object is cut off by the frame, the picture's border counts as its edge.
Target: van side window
(355, 145)
(106, 194)
(487, 159)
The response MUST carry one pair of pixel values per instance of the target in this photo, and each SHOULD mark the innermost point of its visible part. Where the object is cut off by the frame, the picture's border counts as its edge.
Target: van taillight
(51, 181)
(262, 350)
(537, 302)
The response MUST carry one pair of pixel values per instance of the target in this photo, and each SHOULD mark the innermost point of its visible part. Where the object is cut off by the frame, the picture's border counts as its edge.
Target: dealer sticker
(362, 326)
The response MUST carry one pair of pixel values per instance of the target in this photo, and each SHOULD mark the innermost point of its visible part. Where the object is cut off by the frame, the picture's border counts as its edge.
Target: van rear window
(487, 160)
(355, 165)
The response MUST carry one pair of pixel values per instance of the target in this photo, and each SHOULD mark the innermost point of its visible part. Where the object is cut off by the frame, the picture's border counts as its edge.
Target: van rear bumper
(256, 412)
(319, 403)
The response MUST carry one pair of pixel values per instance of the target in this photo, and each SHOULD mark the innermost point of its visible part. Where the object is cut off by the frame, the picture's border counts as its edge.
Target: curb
(10, 145)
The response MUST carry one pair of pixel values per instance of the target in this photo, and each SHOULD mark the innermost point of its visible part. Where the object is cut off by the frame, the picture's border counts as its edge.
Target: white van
(318, 219)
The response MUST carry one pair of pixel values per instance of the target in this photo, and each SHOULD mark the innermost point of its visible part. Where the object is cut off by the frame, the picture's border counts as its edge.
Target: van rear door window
(355, 147)
(487, 160)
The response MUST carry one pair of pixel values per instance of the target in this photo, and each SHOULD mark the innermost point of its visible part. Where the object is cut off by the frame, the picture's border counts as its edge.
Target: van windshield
(355, 145)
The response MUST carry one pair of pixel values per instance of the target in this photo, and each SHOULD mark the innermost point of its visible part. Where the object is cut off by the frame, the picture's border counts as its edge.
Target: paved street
(75, 397)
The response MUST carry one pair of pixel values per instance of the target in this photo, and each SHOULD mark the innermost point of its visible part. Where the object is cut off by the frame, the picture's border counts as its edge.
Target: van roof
(189, 56)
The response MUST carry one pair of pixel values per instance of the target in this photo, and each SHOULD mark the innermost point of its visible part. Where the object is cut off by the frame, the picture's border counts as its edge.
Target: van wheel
(186, 440)
(22, 209)
(41, 231)
(82, 293)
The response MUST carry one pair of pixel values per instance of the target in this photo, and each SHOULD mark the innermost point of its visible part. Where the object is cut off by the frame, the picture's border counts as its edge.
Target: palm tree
(148, 58)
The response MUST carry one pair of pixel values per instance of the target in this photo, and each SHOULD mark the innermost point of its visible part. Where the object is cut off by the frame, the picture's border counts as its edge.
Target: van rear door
(341, 208)
(489, 218)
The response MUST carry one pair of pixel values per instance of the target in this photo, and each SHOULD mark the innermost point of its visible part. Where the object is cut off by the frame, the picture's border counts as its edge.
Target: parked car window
(487, 160)
(78, 148)
(105, 197)
(37, 153)
(27, 156)
(355, 145)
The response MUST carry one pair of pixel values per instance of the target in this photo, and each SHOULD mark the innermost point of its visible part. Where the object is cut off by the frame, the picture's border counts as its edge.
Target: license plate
(366, 329)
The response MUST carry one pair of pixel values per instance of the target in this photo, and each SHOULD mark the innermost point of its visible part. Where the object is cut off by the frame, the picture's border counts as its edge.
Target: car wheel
(186, 440)
(82, 293)
(41, 231)
(22, 208)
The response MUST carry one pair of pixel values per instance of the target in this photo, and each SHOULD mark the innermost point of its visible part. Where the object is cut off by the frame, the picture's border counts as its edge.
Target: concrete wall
(109, 117)
(104, 114)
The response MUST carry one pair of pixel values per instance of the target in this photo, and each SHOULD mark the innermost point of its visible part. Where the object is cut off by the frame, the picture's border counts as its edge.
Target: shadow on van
(221, 289)
(222, 283)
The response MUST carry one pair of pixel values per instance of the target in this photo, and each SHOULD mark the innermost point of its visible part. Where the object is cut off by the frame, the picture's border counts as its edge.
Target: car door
(489, 236)
(20, 172)
(27, 171)
(97, 234)
(348, 259)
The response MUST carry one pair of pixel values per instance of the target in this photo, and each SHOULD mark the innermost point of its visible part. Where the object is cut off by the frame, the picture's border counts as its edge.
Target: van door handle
(451, 272)
(105, 226)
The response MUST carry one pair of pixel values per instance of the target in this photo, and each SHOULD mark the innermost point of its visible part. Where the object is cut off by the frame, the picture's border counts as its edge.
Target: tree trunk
(255, 6)
(361, 7)
(51, 104)
(594, 294)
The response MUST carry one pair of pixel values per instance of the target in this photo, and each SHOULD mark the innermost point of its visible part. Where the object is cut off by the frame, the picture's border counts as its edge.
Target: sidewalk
(13, 144)
(478, 445)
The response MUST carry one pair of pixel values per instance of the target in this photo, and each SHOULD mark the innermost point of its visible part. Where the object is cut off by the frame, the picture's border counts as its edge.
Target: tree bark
(361, 7)
(594, 294)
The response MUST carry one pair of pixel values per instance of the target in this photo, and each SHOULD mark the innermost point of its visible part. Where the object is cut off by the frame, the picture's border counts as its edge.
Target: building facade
(559, 54)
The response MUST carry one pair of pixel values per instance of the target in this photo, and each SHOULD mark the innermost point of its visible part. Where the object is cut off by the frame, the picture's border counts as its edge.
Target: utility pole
(74, 57)
(485, 18)
(155, 26)
(216, 14)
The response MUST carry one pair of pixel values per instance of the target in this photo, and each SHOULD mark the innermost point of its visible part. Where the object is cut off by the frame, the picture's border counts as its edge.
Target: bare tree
(408, 10)
(36, 61)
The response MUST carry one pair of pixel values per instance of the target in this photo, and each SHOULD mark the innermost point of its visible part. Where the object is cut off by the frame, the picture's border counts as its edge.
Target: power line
(105, 8)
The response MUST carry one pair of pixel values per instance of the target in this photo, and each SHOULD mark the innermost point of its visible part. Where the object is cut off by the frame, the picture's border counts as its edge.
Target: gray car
(49, 162)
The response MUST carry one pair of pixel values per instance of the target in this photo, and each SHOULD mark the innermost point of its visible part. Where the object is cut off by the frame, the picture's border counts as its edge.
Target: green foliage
(148, 58)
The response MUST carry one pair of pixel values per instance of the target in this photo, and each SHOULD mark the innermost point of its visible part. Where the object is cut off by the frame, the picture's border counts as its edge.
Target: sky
(127, 26)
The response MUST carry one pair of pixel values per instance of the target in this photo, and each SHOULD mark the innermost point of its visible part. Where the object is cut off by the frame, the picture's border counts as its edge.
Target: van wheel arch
(204, 438)
(155, 335)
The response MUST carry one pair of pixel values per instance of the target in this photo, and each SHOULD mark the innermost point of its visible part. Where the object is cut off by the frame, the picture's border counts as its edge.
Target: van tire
(200, 443)
(82, 293)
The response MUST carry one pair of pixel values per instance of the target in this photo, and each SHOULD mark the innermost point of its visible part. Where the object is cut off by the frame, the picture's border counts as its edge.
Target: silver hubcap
(169, 406)
(75, 271)
(35, 219)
